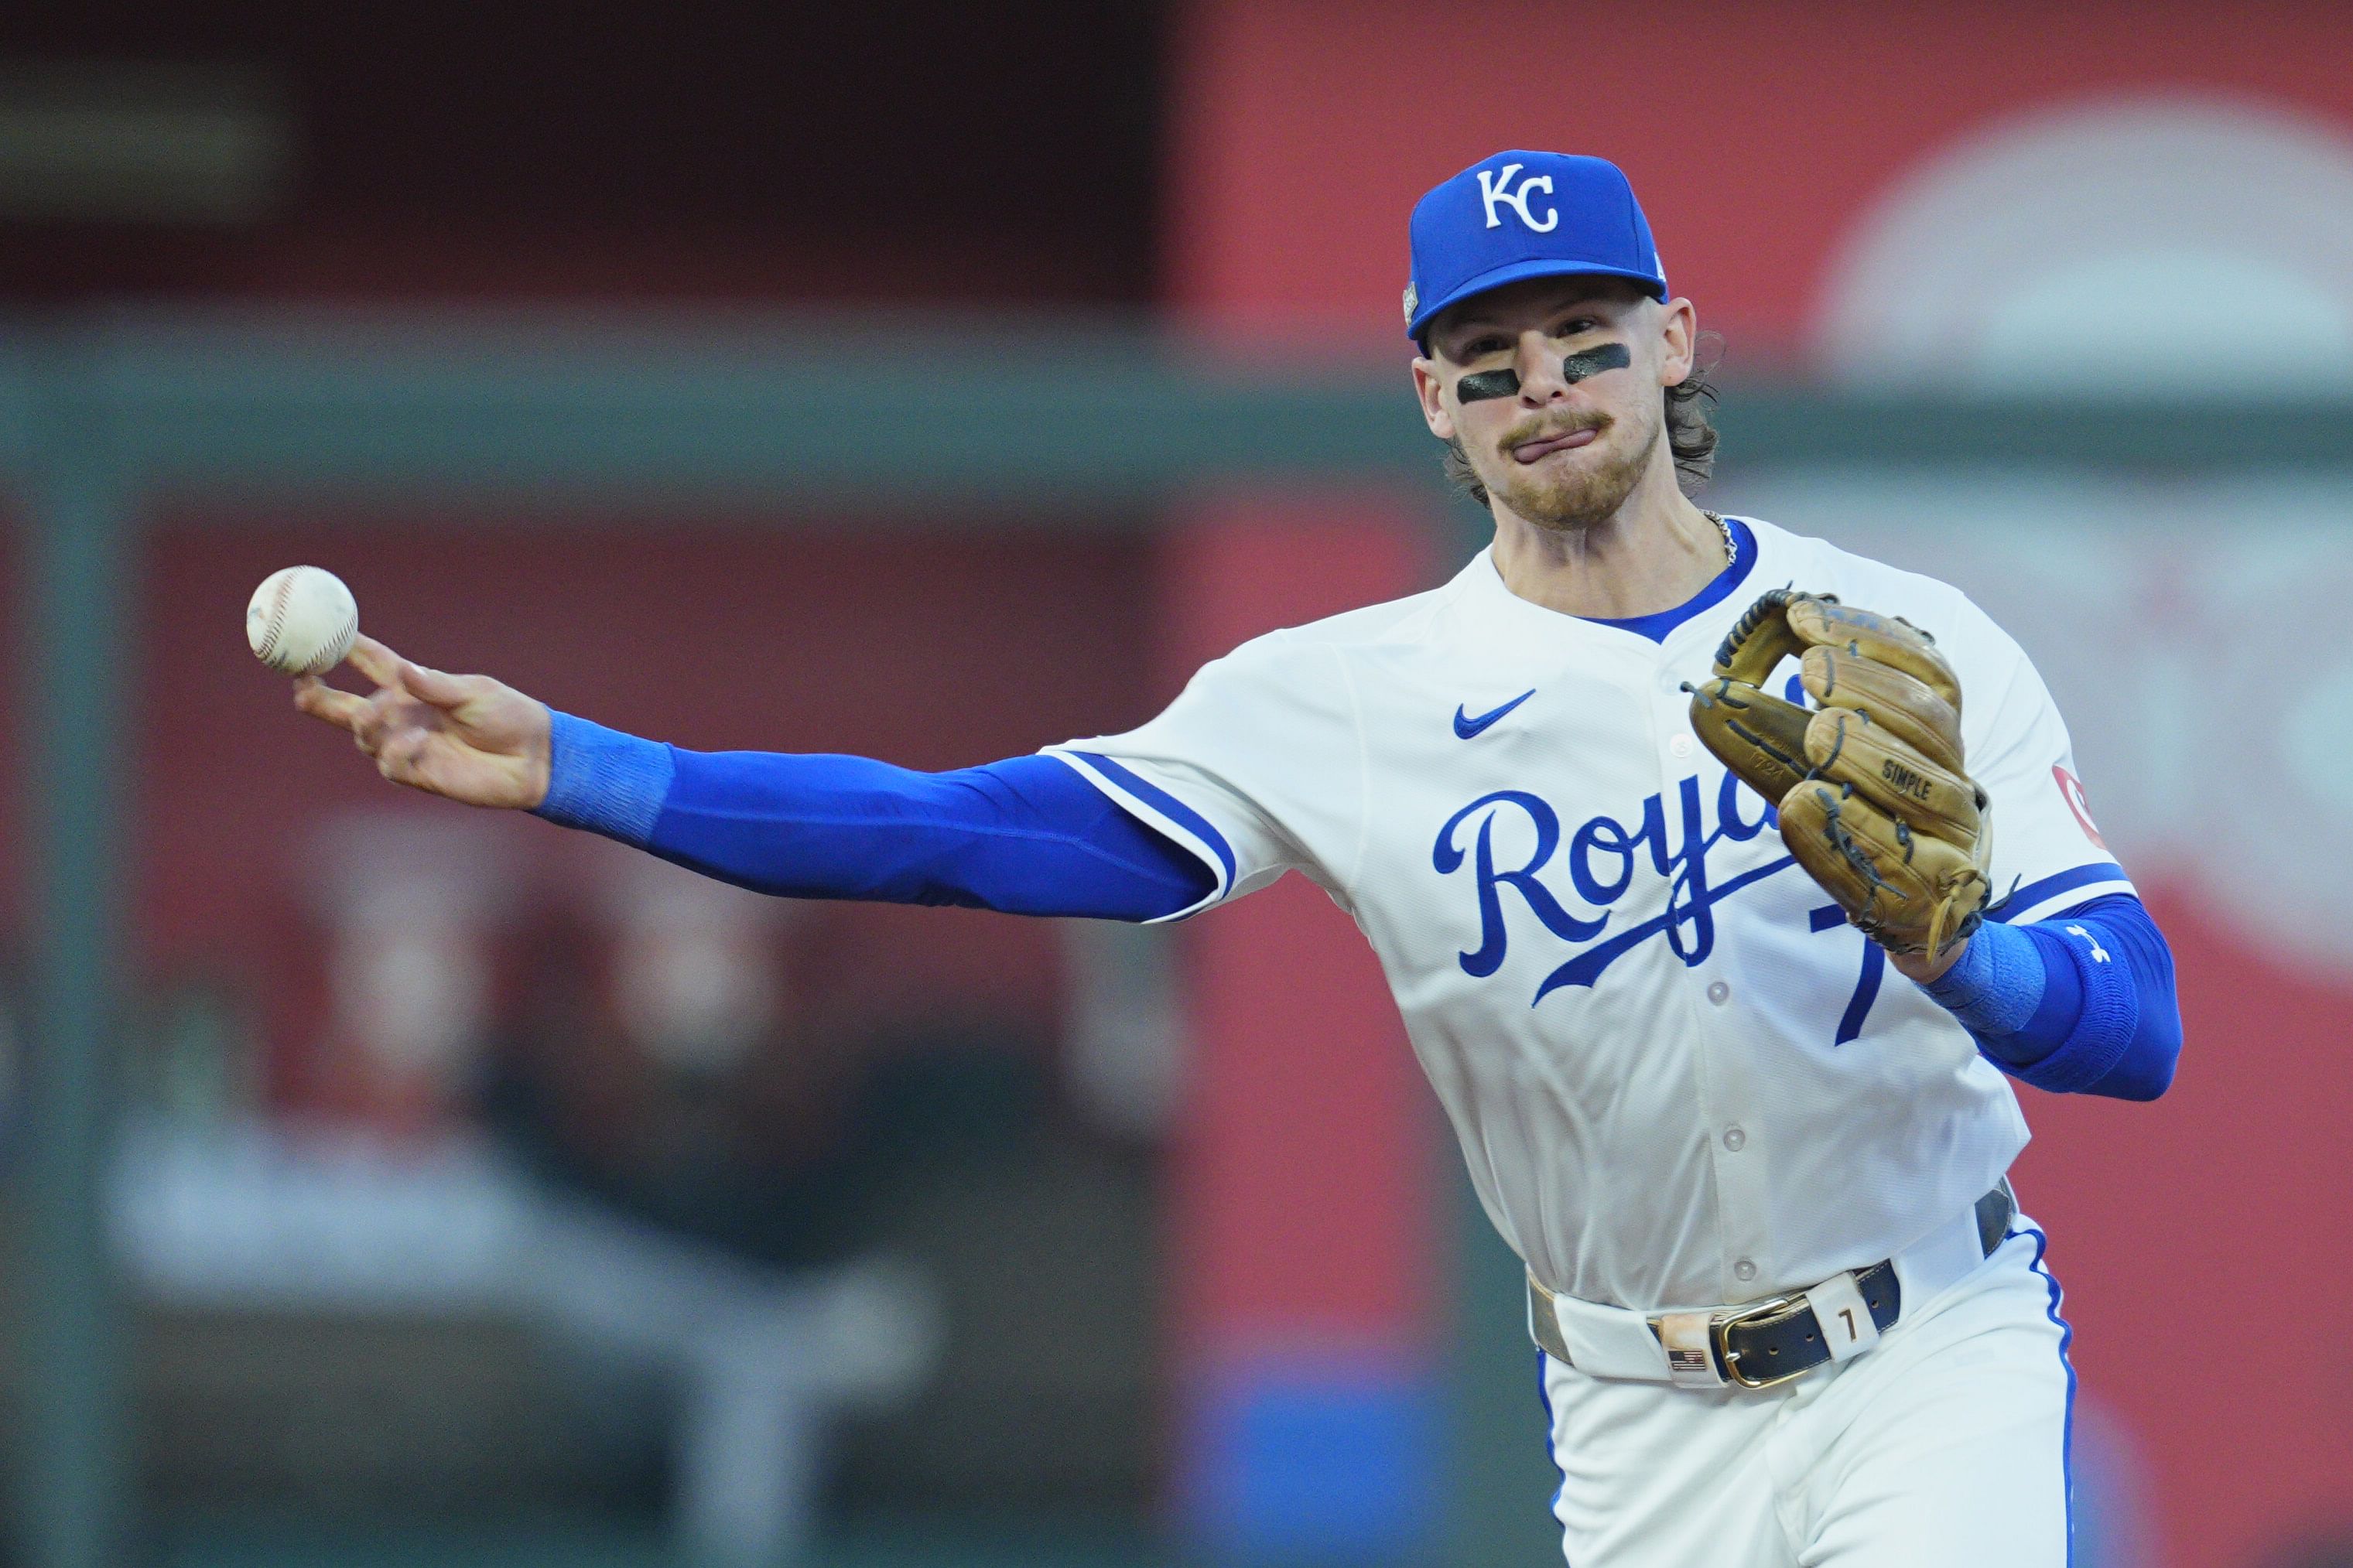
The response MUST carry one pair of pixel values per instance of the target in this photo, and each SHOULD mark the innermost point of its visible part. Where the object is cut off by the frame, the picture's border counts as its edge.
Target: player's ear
(1678, 340)
(1432, 389)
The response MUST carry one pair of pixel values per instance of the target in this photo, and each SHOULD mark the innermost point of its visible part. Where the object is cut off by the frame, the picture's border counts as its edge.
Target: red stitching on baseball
(277, 617)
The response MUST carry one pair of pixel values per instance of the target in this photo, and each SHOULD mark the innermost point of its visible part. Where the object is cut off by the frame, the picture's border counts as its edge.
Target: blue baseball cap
(1525, 215)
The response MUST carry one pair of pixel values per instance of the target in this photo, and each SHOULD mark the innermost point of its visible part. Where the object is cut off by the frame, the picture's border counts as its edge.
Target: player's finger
(444, 692)
(375, 661)
(380, 719)
(398, 761)
(322, 701)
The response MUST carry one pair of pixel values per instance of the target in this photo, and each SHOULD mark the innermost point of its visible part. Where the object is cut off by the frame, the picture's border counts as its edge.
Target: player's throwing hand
(468, 737)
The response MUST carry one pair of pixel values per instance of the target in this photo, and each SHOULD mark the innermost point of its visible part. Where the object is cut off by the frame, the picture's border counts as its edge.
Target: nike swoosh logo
(1467, 727)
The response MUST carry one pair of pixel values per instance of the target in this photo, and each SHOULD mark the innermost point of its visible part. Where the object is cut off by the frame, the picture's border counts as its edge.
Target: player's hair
(1691, 435)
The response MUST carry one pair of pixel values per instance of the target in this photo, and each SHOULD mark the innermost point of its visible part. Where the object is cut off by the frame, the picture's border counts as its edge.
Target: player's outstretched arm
(1026, 836)
(468, 737)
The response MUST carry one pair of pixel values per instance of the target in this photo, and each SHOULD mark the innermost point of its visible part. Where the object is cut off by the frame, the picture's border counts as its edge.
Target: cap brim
(1517, 271)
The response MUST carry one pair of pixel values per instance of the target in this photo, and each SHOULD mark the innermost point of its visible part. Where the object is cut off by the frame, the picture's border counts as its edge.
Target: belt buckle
(1719, 1329)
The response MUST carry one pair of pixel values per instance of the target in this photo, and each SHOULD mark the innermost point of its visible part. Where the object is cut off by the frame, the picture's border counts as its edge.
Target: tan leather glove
(1871, 796)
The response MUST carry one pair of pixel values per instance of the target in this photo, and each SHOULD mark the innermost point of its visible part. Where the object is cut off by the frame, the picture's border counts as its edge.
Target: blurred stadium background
(392, 1185)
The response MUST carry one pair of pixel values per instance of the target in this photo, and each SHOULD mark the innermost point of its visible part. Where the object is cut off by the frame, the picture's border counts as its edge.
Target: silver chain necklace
(1731, 549)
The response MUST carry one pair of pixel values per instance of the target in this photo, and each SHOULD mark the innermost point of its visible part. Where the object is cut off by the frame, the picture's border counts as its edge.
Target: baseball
(301, 621)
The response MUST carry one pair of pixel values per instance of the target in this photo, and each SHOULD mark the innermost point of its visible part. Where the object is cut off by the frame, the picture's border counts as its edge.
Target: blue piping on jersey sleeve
(1657, 625)
(2080, 1004)
(1169, 806)
(2018, 901)
(1028, 836)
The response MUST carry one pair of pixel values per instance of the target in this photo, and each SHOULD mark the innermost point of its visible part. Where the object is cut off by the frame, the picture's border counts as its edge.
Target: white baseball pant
(1943, 1446)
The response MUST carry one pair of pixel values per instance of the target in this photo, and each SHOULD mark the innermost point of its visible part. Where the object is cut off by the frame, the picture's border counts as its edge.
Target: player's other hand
(468, 737)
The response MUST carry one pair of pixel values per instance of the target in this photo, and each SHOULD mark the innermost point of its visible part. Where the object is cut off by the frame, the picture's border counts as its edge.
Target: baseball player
(1638, 811)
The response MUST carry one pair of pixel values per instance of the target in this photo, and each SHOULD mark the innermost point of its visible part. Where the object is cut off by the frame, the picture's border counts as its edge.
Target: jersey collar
(1515, 617)
(1720, 587)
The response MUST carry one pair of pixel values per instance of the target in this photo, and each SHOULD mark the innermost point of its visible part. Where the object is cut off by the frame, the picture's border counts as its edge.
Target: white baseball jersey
(1679, 1077)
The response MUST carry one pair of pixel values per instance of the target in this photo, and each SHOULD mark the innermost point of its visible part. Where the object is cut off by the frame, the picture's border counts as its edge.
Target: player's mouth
(1545, 446)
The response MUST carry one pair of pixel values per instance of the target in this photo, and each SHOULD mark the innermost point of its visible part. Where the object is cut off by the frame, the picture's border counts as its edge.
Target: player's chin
(1565, 501)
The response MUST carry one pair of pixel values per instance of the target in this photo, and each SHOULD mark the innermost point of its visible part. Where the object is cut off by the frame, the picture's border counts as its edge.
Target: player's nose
(1537, 361)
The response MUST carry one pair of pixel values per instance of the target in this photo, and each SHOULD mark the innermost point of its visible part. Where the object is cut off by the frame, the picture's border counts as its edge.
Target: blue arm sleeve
(2080, 1004)
(1028, 836)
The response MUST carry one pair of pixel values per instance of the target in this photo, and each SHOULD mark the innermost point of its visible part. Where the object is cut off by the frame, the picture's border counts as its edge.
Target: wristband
(603, 780)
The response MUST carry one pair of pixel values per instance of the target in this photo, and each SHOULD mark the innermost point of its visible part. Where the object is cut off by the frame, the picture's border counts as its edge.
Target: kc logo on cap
(1495, 185)
(1574, 215)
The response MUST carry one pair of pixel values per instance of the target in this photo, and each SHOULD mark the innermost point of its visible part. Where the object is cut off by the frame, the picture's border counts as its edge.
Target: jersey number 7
(1829, 917)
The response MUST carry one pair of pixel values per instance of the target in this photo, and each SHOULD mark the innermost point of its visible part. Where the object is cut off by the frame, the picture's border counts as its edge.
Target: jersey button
(1718, 992)
(1743, 1272)
(1734, 1139)
(1681, 745)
